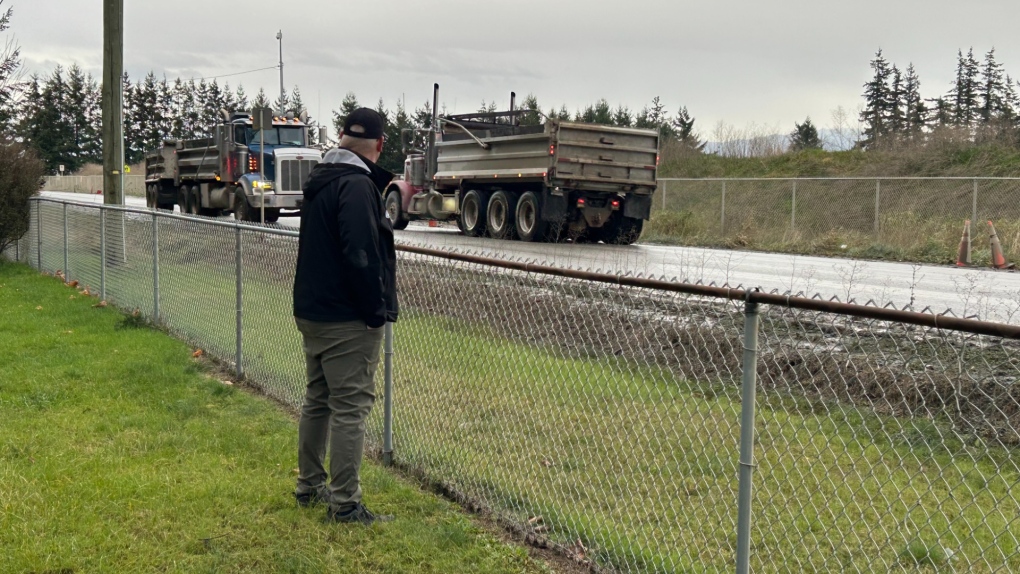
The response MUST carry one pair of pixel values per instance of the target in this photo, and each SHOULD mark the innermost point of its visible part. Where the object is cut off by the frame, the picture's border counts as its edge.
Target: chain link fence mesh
(604, 419)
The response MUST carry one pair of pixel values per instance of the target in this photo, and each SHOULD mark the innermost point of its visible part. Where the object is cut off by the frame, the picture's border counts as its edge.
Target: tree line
(60, 116)
(982, 102)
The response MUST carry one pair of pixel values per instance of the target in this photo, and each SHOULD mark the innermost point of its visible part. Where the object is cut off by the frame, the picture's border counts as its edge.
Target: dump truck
(221, 174)
(557, 181)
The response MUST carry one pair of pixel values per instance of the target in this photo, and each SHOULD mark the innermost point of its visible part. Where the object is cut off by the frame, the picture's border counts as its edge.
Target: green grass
(119, 454)
(638, 464)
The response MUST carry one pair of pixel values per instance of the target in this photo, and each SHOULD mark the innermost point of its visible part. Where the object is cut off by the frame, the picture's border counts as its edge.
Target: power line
(234, 74)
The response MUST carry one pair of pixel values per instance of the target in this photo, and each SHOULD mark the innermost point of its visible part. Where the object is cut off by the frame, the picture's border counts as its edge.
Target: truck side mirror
(322, 135)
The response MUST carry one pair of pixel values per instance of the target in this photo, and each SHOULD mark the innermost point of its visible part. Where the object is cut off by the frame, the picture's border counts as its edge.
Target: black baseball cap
(365, 123)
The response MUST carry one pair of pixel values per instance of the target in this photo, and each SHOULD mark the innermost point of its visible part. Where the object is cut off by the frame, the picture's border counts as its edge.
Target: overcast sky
(740, 61)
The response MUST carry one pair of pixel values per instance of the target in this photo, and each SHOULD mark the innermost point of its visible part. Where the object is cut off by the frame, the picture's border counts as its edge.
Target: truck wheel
(472, 213)
(530, 226)
(194, 201)
(500, 215)
(272, 215)
(396, 214)
(242, 210)
(150, 197)
(182, 199)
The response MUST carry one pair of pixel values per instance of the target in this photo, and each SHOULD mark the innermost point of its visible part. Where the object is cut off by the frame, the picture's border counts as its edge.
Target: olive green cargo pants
(341, 359)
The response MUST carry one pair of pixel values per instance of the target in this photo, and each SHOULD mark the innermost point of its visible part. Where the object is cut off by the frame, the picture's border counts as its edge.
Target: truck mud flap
(554, 207)
(638, 207)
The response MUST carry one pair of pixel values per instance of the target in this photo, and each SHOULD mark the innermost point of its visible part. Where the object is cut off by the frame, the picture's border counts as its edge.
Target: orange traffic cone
(963, 258)
(998, 257)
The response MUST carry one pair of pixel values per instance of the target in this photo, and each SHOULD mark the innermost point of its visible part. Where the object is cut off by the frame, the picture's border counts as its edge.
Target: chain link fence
(918, 218)
(633, 424)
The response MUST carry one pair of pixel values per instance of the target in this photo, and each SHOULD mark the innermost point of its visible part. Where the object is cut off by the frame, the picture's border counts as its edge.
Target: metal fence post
(38, 235)
(238, 287)
(973, 207)
(747, 398)
(17, 250)
(67, 272)
(664, 184)
(793, 208)
(102, 252)
(155, 267)
(388, 397)
(878, 202)
(722, 216)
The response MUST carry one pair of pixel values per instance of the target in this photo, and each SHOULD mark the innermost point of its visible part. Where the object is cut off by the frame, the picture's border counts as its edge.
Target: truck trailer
(221, 174)
(557, 181)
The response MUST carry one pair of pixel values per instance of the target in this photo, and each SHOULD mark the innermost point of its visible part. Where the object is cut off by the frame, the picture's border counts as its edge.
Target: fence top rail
(877, 178)
(936, 321)
(170, 215)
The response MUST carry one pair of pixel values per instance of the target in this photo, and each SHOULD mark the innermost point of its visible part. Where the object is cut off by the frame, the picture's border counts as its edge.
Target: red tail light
(552, 150)
(580, 202)
(615, 204)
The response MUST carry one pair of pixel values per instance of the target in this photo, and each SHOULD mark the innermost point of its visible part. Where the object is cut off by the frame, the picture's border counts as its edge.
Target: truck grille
(293, 173)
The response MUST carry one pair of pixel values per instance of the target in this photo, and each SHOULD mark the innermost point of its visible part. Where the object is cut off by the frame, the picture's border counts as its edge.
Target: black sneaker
(357, 514)
(317, 496)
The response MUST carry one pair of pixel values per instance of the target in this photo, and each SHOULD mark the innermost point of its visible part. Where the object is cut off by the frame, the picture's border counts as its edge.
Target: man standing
(344, 293)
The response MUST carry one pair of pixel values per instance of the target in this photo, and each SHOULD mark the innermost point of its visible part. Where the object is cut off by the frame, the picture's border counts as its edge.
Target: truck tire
(242, 209)
(150, 196)
(182, 199)
(397, 218)
(272, 215)
(472, 213)
(194, 201)
(528, 216)
(499, 216)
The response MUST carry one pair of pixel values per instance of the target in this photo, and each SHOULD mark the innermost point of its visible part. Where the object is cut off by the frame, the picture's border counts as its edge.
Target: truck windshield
(294, 136)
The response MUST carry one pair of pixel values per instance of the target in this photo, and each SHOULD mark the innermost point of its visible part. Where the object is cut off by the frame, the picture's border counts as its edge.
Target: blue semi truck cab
(231, 172)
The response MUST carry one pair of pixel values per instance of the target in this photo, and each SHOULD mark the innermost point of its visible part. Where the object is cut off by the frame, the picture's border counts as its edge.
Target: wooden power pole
(113, 102)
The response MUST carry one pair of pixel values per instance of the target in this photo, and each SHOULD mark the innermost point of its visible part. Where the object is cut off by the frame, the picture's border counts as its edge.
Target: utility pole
(283, 90)
(115, 245)
(113, 102)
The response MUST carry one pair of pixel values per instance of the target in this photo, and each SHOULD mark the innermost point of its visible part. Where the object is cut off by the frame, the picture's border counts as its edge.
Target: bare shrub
(21, 173)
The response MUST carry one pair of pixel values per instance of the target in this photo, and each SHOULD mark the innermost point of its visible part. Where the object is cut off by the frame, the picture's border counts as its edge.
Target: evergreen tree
(964, 94)
(878, 103)
(261, 100)
(915, 113)
(992, 94)
(147, 116)
(623, 117)
(422, 117)
(392, 157)
(46, 123)
(166, 111)
(805, 136)
(282, 104)
(348, 105)
(530, 118)
(897, 103)
(297, 104)
(80, 107)
(942, 112)
(241, 103)
(641, 120)
(683, 129)
(11, 84)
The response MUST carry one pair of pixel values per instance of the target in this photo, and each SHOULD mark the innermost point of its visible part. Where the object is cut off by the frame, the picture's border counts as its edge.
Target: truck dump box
(563, 154)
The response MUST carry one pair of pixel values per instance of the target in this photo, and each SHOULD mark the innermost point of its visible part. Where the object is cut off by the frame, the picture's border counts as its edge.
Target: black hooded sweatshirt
(346, 264)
